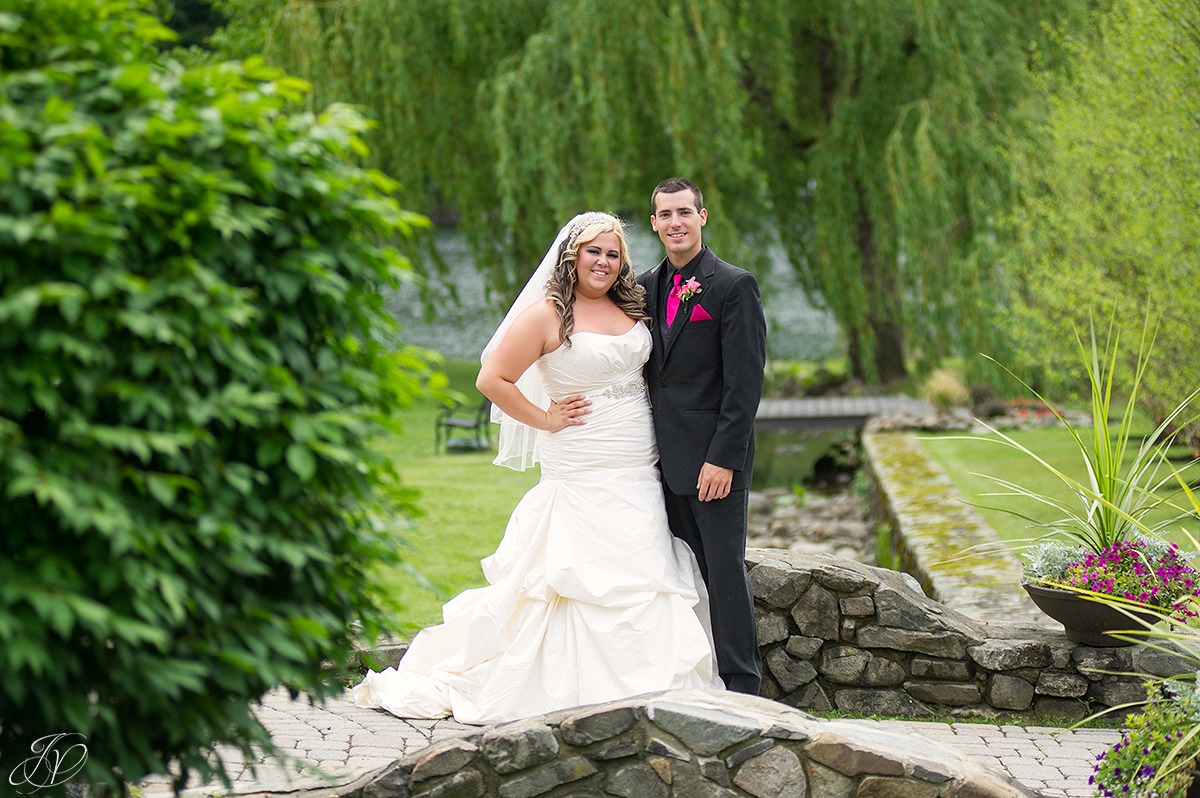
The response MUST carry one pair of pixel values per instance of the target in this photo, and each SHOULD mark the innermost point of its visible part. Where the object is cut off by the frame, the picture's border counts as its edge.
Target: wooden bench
(455, 430)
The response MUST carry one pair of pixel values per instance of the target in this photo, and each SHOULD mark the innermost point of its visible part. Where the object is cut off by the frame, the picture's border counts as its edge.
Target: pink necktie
(673, 300)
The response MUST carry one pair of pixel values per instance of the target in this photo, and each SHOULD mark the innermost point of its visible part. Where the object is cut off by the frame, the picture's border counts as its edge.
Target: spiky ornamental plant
(1125, 477)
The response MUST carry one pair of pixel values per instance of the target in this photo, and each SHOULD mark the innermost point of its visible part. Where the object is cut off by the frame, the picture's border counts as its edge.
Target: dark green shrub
(193, 359)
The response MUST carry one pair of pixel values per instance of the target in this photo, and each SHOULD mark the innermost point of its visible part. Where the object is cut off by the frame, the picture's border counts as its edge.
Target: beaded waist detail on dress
(624, 390)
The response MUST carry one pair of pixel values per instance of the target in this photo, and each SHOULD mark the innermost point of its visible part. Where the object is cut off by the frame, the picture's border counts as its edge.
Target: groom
(705, 378)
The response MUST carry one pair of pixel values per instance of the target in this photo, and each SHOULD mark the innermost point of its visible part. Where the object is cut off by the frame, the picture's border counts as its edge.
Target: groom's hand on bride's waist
(714, 482)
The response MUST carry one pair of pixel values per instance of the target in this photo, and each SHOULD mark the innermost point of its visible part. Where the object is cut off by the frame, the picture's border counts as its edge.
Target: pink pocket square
(699, 314)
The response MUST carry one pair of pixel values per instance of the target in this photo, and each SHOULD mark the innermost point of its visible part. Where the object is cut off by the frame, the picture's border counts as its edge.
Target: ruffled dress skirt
(589, 596)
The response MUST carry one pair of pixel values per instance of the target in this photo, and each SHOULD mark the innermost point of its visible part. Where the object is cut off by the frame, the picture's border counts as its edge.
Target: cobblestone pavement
(341, 740)
(1054, 762)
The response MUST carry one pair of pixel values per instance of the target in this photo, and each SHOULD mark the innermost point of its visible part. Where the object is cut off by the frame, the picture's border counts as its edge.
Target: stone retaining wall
(835, 634)
(937, 537)
(698, 744)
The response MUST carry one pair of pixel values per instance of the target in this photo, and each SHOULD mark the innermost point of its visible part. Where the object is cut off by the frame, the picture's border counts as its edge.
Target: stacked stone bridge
(689, 744)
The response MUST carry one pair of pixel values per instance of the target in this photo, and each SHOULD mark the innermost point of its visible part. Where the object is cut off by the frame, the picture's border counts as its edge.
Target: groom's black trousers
(716, 533)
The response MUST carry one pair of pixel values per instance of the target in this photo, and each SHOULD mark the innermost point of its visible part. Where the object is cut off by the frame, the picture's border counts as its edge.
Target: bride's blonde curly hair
(560, 288)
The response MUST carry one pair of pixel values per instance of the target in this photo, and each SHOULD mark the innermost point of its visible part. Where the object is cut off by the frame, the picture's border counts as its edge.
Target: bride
(589, 597)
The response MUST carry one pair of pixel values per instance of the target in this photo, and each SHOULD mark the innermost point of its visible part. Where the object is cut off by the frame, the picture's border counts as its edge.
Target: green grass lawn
(465, 501)
(965, 460)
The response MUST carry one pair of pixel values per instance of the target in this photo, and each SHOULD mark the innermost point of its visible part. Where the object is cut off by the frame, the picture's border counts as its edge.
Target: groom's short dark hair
(672, 185)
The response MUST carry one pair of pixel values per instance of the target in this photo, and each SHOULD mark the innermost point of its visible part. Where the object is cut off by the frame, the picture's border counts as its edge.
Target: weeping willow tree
(873, 137)
(892, 126)
(508, 118)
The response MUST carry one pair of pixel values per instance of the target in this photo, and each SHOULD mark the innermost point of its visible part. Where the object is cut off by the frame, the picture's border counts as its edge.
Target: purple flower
(1126, 570)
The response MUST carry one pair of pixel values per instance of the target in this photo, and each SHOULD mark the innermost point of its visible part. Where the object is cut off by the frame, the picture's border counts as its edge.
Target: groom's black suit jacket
(705, 377)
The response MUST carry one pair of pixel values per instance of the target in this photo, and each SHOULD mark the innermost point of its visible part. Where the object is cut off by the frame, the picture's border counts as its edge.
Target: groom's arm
(743, 359)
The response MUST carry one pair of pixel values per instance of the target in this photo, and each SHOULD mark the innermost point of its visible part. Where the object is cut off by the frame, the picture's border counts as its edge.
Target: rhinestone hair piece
(585, 220)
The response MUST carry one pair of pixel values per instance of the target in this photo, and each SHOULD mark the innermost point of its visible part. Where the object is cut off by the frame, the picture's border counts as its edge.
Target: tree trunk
(883, 300)
(854, 350)
(889, 351)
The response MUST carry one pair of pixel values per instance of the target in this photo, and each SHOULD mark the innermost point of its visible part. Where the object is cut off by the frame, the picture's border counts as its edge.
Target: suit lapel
(651, 285)
(658, 328)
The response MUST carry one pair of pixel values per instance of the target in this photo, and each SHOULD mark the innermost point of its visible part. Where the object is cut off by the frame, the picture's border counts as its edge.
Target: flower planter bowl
(1085, 621)
(1193, 790)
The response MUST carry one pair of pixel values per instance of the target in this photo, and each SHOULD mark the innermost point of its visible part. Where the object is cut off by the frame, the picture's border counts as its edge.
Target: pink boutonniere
(688, 289)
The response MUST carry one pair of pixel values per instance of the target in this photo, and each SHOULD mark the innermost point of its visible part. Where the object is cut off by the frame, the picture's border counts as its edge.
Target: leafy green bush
(194, 358)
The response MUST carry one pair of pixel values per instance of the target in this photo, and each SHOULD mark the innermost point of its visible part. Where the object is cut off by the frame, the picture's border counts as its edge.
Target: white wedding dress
(589, 598)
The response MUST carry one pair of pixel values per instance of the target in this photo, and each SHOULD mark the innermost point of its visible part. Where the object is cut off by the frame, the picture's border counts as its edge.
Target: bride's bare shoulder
(538, 322)
(540, 315)
(543, 310)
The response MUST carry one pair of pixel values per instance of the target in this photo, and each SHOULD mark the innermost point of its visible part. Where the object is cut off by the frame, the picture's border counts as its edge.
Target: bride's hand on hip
(567, 413)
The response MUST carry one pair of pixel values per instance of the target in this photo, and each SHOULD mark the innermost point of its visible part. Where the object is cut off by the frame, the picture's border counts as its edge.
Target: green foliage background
(194, 360)
(875, 137)
(949, 178)
(1108, 226)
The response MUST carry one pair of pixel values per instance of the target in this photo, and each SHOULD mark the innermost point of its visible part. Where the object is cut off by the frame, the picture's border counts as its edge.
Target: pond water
(825, 458)
(796, 329)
